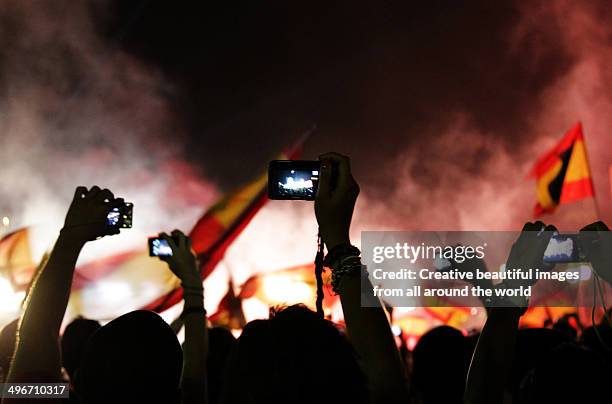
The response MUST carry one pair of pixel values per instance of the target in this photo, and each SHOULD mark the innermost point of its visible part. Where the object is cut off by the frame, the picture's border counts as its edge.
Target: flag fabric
(103, 288)
(610, 179)
(109, 286)
(16, 262)
(229, 312)
(277, 288)
(289, 286)
(221, 225)
(216, 230)
(563, 175)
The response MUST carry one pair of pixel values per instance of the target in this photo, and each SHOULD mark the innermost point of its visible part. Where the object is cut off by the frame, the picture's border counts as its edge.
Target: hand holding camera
(181, 258)
(328, 182)
(96, 213)
(335, 199)
(528, 250)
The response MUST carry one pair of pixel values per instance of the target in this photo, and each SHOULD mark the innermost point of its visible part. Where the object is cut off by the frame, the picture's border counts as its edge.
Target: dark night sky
(442, 105)
(376, 77)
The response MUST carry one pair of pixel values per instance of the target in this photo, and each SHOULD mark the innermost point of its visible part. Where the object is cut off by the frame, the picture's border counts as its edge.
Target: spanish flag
(216, 230)
(563, 175)
(221, 225)
(16, 262)
(229, 313)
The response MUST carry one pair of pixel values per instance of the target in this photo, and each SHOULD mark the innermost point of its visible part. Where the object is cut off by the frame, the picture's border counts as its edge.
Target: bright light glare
(411, 342)
(6, 221)
(290, 183)
(110, 291)
(282, 289)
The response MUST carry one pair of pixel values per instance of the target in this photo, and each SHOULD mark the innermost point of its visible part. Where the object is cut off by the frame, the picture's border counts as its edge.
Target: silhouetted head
(293, 357)
(564, 326)
(440, 363)
(567, 374)
(135, 358)
(532, 344)
(7, 346)
(74, 341)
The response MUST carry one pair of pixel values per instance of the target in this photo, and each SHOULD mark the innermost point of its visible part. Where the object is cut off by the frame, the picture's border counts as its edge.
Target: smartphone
(158, 247)
(293, 179)
(121, 216)
(564, 248)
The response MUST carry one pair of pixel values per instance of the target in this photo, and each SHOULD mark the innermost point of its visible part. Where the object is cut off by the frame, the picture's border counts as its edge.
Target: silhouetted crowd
(296, 355)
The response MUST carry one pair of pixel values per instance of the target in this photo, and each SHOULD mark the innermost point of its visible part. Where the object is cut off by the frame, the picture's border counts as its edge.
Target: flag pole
(586, 156)
(300, 141)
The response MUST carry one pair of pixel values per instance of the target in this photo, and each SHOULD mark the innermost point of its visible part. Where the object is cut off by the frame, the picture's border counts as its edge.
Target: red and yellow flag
(563, 175)
(289, 286)
(217, 229)
(16, 262)
(229, 312)
(221, 225)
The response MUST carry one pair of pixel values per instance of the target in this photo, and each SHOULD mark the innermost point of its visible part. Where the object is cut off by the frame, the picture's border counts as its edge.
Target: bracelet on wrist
(348, 260)
(336, 254)
(349, 269)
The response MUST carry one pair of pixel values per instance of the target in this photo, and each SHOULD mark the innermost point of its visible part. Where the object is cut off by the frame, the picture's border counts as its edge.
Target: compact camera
(293, 179)
(564, 248)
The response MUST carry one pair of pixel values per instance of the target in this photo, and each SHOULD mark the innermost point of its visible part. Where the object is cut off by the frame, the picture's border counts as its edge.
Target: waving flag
(102, 288)
(229, 313)
(563, 175)
(16, 262)
(221, 225)
(107, 287)
(289, 286)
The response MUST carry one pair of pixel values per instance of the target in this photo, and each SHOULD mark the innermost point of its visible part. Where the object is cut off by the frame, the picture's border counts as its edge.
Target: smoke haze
(443, 109)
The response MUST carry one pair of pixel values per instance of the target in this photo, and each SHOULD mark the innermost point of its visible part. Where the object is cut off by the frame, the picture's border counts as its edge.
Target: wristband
(338, 252)
(349, 269)
(350, 260)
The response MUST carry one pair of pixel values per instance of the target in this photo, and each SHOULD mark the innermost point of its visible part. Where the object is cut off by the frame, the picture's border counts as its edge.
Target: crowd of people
(296, 355)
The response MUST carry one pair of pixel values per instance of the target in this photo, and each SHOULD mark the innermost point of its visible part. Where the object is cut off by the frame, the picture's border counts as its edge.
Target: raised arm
(37, 352)
(195, 349)
(494, 353)
(368, 327)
